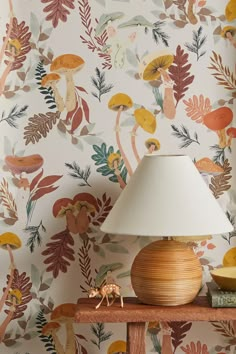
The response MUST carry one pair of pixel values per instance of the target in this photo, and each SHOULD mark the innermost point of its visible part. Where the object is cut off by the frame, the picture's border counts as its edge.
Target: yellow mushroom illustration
(9, 241)
(119, 346)
(229, 32)
(230, 10)
(152, 67)
(113, 162)
(152, 145)
(119, 103)
(147, 121)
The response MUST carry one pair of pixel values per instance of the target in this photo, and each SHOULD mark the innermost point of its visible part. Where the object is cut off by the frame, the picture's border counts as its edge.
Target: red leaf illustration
(85, 109)
(77, 119)
(59, 252)
(58, 10)
(81, 89)
(179, 73)
(71, 114)
(46, 181)
(35, 180)
(42, 191)
(210, 246)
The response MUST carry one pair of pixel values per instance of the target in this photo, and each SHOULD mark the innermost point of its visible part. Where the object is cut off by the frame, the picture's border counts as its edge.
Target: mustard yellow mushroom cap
(8, 238)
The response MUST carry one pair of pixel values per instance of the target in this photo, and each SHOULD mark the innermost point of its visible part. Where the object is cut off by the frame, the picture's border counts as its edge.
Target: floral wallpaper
(87, 87)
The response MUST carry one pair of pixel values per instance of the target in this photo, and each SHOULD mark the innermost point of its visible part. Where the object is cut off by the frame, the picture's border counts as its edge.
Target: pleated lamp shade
(166, 196)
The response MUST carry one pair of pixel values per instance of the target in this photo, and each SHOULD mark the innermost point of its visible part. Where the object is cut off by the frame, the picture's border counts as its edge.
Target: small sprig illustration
(158, 34)
(77, 172)
(219, 154)
(232, 233)
(100, 85)
(35, 236)
(198, 42)
(14, 114)
(99, 331)
(185, 136)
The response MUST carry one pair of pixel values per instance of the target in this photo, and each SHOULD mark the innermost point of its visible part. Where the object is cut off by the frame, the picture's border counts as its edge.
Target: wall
(67, 151)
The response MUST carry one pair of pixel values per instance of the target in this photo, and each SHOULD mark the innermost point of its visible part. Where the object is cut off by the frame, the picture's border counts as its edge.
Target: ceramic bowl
(225, 278)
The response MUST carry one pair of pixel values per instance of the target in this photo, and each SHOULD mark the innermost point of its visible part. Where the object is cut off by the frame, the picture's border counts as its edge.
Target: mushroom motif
(113, 162)
(15, 297)
(231, 132)
(121, 102)
(208, 168)
(152, 144)
(20, 164)
(119, 346)
(65, 207)
(51, 329)
(136, 21)
(151, 63)
(106, 19)
(152, 67)
(65, 313)
(51, 80)
(147, 121)
(14, 47)
(217, 121)
(10, 242)
(230, 10)
(85, 204)
(228, 32)
(68, 64)
(76, 211)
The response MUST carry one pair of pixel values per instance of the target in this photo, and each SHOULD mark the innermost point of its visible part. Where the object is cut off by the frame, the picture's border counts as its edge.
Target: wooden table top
(135, 311)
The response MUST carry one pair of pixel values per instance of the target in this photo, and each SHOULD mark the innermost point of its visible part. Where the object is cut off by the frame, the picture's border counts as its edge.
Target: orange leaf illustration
(210, 246)
(197, 107)
(46, 181)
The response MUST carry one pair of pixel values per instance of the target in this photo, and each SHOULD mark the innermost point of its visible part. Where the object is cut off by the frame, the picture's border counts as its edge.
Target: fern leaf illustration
(222, 73)
(39, 126)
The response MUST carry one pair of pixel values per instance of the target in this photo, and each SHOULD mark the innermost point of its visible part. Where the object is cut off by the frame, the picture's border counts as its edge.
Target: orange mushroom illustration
(208, 168)
(51, 329)
(152, 145)
(119, 103)
(147, 121)
(23, 165)
(68, 64)
(217, 121)
(20, 164)
(64, 314)
(113, 162)
(51, 80)
(230, 10)
(229, 32)
(152, 67)
(231, 132)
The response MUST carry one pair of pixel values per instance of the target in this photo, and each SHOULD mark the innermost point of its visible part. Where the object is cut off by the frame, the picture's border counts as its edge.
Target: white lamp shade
(166, 196)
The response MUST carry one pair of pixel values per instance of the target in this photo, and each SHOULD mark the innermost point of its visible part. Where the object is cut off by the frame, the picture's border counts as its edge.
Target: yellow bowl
(225, 278)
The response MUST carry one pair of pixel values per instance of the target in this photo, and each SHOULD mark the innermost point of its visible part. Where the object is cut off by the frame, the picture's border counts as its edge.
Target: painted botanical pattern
(86, 89)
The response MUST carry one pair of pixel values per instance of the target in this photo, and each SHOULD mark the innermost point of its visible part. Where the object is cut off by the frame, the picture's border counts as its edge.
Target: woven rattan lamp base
(166, 273)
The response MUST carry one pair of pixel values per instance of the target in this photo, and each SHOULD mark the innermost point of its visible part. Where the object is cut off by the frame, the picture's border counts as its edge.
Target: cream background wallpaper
(75, 161)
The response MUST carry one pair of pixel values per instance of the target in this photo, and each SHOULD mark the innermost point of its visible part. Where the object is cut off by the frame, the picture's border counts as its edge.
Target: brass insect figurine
(104, 291)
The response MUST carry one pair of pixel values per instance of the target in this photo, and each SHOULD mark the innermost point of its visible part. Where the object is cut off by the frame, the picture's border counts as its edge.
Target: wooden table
(135, 314)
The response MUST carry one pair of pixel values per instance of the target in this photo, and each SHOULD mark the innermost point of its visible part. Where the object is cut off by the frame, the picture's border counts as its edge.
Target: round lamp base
(166, 273)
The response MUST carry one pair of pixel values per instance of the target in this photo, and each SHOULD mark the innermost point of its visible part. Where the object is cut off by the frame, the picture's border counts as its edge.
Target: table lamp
(166, 197)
